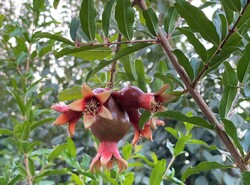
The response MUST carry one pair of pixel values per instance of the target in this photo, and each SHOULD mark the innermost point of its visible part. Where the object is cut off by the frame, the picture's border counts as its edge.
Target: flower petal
(146, 132)
(60, 107)
(104, 96)
(104, 112)
(63, 118)
(163, 89)
(167, 98)
(72, 125)
(95, 164)
(88, 120)
(122, 164)
(77, 105)
(136, 137)
(86, 91)
(105, 158)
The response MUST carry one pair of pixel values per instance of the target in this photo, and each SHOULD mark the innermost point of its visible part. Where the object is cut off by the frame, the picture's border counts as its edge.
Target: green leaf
(70, 51)
(19, 102)
(93, 54)
(57, 151)
(53, 37)
(245, 17)
(139, 67)
(124, 16)
(51, 172)
(233, 40)
(157, 172)
(243, 67)
(233, 5)
(22, 58)
(229, 13)
(170, 20)
(71, 147)
(229, 75)
(144, 118)
(173, 132)
(127, 151)
(129, 179)
(87, 18)
(227, 99)
(56, 3)
(106, 17)
(72, 93)
(223, 26)
(121, 53)
(246, 177)
(180, 144)
(183, 60)
(14, 179)
(74, 25)
(198, 121)
(203, 166)
(198, 21)
(129, 67)
(198, 46)
(232, 132)
(1, 20)
(6, 132)
(25, 130)
(151, 21)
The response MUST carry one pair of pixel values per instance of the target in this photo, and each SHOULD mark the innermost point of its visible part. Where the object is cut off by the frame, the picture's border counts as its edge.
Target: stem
(113, 67)
(230, 32)
(26, 164)
(169, 165)
(119, 42)
(219, 128)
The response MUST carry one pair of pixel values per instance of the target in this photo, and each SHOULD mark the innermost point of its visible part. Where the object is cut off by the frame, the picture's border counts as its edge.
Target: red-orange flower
(91, 105)
(68, 116)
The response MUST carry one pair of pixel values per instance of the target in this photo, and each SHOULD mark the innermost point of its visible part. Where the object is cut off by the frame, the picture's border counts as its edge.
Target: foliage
(40, 65)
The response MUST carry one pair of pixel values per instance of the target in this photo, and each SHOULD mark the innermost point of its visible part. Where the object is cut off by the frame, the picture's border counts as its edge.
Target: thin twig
(155, 41)
(169, 166)
(26, 164)
(230, 32)
(113, 67)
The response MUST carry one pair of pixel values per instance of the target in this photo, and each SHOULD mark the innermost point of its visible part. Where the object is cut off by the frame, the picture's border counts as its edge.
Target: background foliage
(38, 59)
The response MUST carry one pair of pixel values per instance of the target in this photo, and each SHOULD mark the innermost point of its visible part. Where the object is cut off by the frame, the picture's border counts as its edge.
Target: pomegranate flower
(106, 156)
(91, 105)
(146, 132)
(68, 116)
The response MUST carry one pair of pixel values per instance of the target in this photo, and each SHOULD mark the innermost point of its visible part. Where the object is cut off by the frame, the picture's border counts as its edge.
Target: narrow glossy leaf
(151, 21)
(71, 147)
(57, 151)
(246, 177)
(106, 16)
(87, 18)
(198, 46)
(245, 17)
(169, 78)
(41, 122)
(72, 93)
(129, 67)
(139, 67)
(56, 3)
(232, 132)
(6, 132)
(157, 172)
(67, 51)
(74, 25)
(180, 144)
(123, 52)
(233, 40)
(129, 178)
(198, 21)
(203, 166)
(227, 99)
(50, 172)
(144, 118)
(14, 179)
(229, 75)
(124, 15)
(183, 60)
(93, 54)
(53, 37)
(19, 102)
(1, 20)
(229, 13)
(223, 26)
(25, 131)
(170, 20)
(198, 121)
(243, 67)
(233, 5)
(22, 58)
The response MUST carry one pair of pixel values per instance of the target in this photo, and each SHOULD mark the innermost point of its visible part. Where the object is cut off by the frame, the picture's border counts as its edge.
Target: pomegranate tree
(109, 115)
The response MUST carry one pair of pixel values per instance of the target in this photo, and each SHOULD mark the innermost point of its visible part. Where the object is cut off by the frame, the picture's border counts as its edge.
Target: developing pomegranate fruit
(109, 116)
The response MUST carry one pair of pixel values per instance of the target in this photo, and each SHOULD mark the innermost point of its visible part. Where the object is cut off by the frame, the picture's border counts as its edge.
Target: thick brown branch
(219, 128)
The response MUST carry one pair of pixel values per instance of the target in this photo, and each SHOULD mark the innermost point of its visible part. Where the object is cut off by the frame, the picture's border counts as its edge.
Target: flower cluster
(109, 115)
